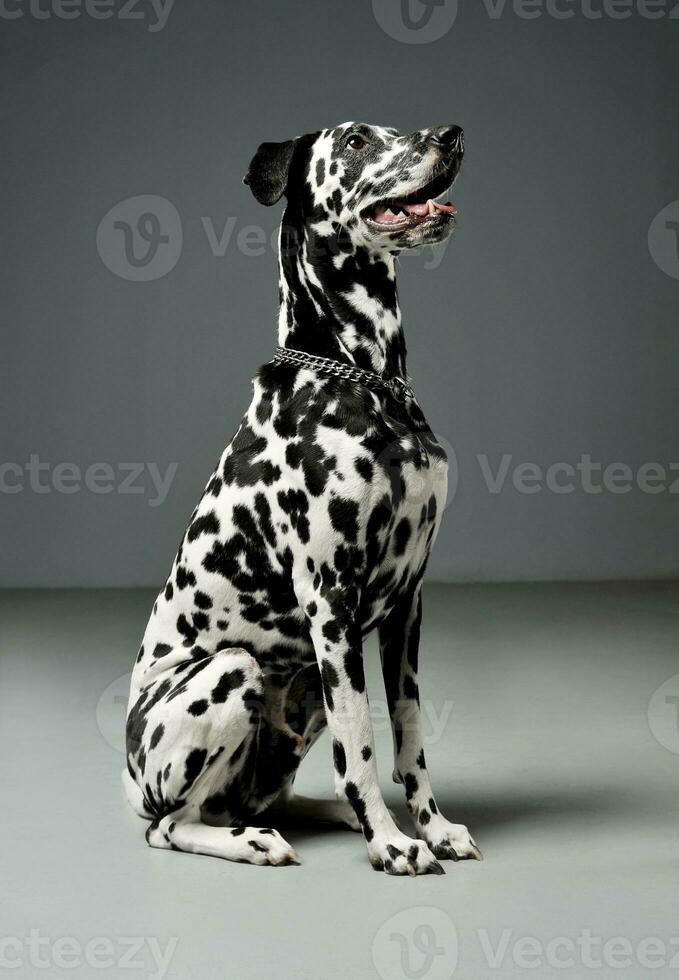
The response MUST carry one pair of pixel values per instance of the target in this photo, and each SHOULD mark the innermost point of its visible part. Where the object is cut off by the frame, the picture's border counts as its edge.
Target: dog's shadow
(571, 806)
(505, 814)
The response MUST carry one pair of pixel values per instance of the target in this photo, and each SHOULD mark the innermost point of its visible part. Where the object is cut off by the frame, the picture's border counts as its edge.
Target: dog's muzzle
(422, 208)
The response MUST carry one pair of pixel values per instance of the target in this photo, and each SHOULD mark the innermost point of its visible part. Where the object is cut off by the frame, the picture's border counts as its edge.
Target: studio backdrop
(139, 274)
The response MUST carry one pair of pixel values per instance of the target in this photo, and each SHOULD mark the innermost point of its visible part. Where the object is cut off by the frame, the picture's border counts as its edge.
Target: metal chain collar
(397, 387)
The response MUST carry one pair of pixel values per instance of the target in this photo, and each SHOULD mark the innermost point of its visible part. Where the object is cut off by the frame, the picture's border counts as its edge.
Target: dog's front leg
(399, 647)
(337, 642)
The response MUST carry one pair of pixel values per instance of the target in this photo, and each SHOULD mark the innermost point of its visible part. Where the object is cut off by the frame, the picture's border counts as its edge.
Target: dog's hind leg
(293, 809)
(184, 830)
(303, 714)
(192, 733)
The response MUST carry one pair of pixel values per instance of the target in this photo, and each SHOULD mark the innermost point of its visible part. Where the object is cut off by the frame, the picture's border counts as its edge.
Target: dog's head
(382, 190)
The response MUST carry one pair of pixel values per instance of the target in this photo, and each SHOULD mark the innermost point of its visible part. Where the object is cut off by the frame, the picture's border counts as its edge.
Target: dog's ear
(267, 175)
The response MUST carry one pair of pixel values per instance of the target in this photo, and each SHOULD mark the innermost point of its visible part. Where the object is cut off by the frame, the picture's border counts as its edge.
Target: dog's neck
(338, 300)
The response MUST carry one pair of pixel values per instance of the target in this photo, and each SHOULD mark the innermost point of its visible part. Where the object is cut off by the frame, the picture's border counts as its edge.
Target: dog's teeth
(390, 212)
(430, 205)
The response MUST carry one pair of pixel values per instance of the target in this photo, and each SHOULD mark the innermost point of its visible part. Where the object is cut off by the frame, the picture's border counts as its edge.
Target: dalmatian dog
(314, 529)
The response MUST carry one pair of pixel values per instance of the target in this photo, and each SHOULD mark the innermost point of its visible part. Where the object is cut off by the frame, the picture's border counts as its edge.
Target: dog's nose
(448, 137)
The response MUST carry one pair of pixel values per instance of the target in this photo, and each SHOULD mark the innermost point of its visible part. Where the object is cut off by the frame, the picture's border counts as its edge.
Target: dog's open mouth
(418, 208)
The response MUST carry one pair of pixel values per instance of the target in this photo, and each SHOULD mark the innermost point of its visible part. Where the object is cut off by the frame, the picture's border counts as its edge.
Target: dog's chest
(417, 475)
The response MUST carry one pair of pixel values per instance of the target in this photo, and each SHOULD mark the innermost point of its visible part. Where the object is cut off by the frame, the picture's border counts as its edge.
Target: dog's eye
(356, 142)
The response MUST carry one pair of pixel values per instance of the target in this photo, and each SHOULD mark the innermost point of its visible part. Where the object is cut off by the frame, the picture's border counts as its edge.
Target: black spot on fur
(364, 468)
(198, 707)
(243, 465)
(402, 536)
(184, 577)
(353, 664)
(358, 805)
(230, 680)
(158, 733)
(296, 504)
(188, 631)
(330, 680)
(193, 767)
(339, 757)
(331, 630)
(200, 620)
(411, 784)
(343, 515)
(207, 524)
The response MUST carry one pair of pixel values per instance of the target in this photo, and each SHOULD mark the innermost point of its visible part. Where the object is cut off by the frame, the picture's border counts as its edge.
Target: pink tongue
(447, 207)
(416, 208)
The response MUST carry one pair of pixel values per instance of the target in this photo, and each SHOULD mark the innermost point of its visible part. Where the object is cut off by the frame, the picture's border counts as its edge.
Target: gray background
(547, 331)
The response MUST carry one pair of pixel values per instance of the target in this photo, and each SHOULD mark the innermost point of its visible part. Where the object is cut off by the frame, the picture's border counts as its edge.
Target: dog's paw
(403, 856)
(266, 846)
(449, 841)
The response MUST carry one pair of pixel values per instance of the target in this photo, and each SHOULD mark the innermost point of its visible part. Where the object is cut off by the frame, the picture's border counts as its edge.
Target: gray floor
(539, 736)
